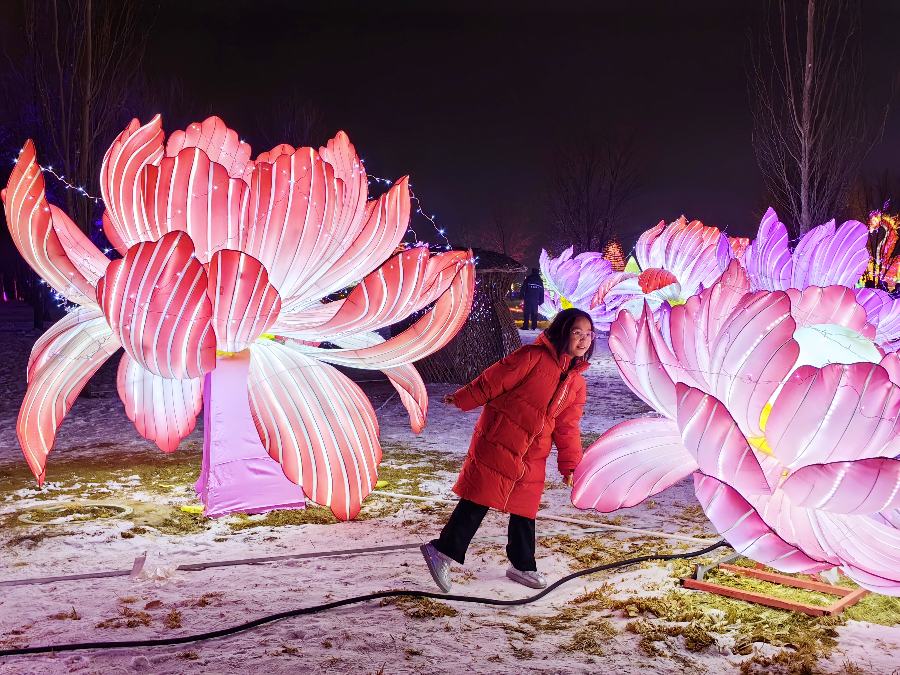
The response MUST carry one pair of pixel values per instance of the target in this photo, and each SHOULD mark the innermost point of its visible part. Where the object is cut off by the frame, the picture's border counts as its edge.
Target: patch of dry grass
(127, 618)
(172, 619)
(207, 599)
(596, 550)
(420, 608)
(71, 512)
(694, 620)
(72, 615)
(158, 472)
(178, 522)
(591, 638)
(311, 515)
(561, 621)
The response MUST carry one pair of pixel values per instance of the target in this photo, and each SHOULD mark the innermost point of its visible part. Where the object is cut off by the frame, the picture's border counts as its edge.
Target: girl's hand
(449, 400)
(569, 480)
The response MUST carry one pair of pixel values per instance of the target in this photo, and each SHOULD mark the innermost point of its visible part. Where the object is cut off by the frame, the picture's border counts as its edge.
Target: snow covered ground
(598, 623)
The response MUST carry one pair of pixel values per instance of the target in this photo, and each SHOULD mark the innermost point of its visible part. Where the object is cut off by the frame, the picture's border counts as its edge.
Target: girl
(533, 396)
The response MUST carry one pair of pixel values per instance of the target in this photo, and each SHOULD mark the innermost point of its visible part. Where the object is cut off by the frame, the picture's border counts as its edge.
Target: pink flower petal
(831, 305)
(163, 410)
(712, 437)
(370, 242)
(155, 302)
(221, 144)
(836, 413)
(112, 234)
(317, 424)
(688, 250)
(630, 462)
(693, 327)
(341, 154)
(79, 249)
(269, 156)
(427, 335)
(413, 395)
(740, 524)
(54, 386)
(405, 378)
(389, 294)
(307, 321)
(866, 543)
(644, 251)
(51, 345)
(768, 258)
(121, 177)
(859, 487)
(291, 225)
(825, 257)
(868, 550)
(872, 582)
(751, 355)
(192, 193)
(35, 228)
(642, 355)
(891, 363)
(244, 303)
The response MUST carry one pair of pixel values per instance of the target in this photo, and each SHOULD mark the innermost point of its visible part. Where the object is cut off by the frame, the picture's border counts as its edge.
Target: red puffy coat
(530, 398)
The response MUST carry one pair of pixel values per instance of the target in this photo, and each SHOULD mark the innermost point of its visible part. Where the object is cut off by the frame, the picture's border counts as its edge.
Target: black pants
(464, 523)
(530, 313)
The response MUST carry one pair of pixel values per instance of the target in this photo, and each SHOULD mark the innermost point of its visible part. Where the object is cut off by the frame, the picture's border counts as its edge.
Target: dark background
(473, 99)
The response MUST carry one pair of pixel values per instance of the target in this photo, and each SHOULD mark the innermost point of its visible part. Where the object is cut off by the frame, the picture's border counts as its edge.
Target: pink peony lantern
(786, 412)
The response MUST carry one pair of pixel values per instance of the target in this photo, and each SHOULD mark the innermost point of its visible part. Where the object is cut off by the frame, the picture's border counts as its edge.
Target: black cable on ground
(314, 609)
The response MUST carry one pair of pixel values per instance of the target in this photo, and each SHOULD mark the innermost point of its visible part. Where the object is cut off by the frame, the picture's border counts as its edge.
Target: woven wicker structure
(490, 332)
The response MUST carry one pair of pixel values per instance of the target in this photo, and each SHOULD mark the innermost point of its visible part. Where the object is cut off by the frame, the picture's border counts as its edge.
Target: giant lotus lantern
(784, 409)
(221, 254)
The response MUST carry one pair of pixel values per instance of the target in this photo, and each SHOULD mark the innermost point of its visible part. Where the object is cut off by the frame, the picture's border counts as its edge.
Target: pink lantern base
(237, 476)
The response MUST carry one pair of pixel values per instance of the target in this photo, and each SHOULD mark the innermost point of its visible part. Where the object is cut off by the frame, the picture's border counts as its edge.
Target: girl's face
(580, 337)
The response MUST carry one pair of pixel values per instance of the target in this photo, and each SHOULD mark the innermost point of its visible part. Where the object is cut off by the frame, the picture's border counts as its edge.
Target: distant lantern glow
(616, 256)
(786, 412)
(883, 270)
(226, 270)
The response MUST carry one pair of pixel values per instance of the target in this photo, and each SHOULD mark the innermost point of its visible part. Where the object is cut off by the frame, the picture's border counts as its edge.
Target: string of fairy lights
(419, 209)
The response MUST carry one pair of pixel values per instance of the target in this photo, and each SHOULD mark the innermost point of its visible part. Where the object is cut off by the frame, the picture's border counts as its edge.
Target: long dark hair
(558, 331)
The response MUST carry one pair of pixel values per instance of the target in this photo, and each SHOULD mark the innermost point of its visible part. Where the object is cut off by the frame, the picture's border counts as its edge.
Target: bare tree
(869, 194)
(810, 132)
(295, 120)
(591, 184)
(501, 237)
(83, 57)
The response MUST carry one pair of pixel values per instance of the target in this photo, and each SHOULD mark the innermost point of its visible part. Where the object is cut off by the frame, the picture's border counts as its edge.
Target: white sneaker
(532, 579)
(438, 565)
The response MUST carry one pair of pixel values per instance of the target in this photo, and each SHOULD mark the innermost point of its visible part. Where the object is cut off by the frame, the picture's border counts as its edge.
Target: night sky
(473, 99)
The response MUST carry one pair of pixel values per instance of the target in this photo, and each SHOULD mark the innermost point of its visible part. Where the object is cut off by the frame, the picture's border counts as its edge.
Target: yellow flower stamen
(760, 442)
